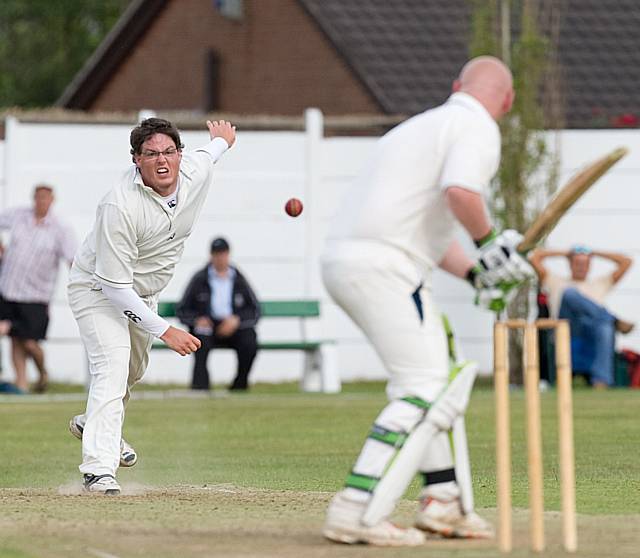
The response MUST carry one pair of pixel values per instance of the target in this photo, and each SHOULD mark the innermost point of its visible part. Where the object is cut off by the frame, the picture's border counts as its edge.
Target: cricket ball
(293, 207)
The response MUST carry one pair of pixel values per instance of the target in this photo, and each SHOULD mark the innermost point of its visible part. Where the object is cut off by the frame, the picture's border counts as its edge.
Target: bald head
(489, 80)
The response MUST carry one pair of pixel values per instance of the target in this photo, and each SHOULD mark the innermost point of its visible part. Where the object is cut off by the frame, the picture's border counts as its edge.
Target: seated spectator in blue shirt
(221, 309)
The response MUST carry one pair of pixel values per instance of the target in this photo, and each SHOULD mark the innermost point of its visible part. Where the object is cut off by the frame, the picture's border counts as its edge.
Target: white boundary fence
(280, 254)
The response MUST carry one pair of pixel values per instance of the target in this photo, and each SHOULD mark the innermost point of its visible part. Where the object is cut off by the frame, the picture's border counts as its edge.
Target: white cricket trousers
(378, 286)
(118, 353)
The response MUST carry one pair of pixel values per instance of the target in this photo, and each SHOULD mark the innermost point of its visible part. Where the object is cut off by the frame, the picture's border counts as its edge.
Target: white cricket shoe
(128, 456)
(445, 517)
(101, 484)
(343, 525)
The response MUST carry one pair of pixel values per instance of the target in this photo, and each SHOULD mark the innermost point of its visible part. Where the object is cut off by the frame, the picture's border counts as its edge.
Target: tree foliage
(528, 166)
(43, 43)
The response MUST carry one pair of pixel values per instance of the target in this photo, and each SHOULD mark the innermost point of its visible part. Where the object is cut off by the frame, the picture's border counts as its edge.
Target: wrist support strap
(485, 239)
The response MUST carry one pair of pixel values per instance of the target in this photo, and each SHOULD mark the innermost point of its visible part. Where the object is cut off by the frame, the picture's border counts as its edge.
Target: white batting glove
(499, 262)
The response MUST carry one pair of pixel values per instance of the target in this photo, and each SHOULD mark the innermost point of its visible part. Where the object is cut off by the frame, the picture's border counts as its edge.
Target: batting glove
(495, 299)
(499, 262)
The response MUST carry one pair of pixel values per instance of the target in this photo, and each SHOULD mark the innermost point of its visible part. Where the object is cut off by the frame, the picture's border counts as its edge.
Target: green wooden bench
(320, 369)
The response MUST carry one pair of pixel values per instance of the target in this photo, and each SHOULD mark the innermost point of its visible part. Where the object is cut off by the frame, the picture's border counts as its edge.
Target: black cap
(219, 245)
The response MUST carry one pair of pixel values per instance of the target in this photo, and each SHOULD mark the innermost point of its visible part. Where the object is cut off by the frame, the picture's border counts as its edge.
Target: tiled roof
(407, 51)
(600, 53)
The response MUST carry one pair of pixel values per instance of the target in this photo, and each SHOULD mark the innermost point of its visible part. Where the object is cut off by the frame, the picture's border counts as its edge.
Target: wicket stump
(534, 434)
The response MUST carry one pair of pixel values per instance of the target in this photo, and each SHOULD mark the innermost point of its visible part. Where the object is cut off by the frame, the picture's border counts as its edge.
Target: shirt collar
(137, 179)
(469, 101)
(46, 220)
(213, 275)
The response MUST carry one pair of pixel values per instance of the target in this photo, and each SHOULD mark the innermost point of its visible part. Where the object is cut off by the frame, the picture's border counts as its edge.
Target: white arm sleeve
(133, 307)
(215, 148)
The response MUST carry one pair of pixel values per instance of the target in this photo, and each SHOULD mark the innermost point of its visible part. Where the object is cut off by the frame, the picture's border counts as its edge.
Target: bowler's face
(159, 163)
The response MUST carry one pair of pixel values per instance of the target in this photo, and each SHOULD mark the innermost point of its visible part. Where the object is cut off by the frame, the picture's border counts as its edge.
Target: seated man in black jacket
(221, 309)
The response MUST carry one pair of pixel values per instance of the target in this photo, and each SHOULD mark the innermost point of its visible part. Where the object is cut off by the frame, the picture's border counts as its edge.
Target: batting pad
(451, 404)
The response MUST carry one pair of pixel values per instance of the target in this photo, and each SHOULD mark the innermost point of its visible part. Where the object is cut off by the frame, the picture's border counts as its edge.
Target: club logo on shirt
(129, 314)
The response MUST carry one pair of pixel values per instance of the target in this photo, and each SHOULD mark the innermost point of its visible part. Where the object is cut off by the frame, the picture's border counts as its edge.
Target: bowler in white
(124, 263)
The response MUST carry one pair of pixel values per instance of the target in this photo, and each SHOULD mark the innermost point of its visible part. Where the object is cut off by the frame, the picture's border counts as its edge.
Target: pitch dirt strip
(100, 554)
(228, 521)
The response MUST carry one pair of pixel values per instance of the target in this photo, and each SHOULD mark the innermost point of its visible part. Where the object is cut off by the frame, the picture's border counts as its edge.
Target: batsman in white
(396, 225)
(124, 263)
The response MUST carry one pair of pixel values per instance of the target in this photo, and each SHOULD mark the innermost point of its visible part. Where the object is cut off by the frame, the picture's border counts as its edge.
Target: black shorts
(29, 320)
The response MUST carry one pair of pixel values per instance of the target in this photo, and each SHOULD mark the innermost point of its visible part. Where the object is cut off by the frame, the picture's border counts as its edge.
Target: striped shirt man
(31, 259)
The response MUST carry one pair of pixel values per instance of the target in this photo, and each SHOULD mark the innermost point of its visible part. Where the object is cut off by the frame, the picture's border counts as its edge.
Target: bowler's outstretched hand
(180, 341)
(222, 129)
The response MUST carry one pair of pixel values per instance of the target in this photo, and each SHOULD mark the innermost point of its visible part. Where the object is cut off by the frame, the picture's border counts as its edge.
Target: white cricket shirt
(399, 198)
(137, 240)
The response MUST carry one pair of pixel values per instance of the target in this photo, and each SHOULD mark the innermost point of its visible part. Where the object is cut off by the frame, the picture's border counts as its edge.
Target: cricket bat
(566, 197)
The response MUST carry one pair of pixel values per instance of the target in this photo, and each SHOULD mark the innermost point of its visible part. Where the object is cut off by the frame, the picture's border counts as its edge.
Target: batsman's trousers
(118, 354)
(382, 290)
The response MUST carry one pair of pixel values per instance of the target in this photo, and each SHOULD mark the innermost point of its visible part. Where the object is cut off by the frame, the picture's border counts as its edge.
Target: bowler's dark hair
(147, 128)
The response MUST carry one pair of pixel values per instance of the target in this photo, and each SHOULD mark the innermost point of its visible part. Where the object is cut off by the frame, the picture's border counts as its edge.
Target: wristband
(471, 276)
(485, 239)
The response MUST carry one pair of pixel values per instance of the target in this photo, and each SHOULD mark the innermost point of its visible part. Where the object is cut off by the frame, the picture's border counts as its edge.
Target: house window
(231, 9)
(211, 81)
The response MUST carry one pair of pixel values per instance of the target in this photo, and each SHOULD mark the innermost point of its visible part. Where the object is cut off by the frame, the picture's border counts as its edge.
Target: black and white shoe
(75, 428)
(128, 455)
(101, 484)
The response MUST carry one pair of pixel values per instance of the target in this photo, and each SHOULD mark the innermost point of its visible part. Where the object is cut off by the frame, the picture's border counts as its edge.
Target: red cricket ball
(293, 207)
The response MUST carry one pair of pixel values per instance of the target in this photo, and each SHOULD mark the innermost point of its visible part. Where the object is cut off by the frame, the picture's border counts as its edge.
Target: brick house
(343, 56)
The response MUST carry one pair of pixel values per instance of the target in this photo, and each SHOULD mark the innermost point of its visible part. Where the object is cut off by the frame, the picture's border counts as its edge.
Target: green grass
(279, 439)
